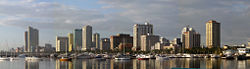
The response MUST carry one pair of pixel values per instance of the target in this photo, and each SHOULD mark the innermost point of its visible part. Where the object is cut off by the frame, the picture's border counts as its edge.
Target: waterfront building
(105, 44)
(116, 40)
(190, 38)
(61, 44)
(138, 30)
(31, 37)
(48, 48)
(148, 41)
(96, 40)
(77, 42)
(70, 42)
(213, 34)
(248, 43)
(86, 37)
(177, 41)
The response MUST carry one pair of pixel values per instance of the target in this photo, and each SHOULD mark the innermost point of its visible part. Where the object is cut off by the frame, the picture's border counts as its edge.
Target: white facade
(31, 40)
(138, 30)
(96, 40)
(86, 38)
(61, 44)
(148, 42)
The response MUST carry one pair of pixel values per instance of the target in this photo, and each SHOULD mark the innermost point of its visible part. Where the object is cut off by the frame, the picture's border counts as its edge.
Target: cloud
(167, 16)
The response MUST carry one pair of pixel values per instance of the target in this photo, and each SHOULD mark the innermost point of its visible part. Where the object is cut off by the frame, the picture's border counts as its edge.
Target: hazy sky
(109, 17)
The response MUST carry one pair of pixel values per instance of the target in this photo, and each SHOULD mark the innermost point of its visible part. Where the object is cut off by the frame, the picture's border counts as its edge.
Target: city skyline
(109, 19)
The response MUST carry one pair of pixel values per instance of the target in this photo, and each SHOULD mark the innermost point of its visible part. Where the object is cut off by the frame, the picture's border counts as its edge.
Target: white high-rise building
(138, 30)
(148, 42)
(96, 40)
(190, 38)
(86, 37)
(213, 34)
(31, 40)
(61, 44)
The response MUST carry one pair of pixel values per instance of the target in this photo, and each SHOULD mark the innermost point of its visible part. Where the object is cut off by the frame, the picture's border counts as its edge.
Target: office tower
(212, 34)
(105, 44)
(70, 42)
(77, 42)
(96, 40)
(116, 40)
(190, 38)
(31, 37)
(61, 44)
(138, 30)
(48, 48)
(86, 37)
(148, 41)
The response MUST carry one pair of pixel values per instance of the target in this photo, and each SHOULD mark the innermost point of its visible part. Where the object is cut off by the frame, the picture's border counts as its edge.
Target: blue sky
(109, 17)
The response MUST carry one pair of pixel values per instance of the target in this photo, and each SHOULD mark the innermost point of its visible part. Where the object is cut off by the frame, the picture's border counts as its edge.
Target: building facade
(70, 41)
(31, 37)
(138, 30)
(190, 38)
(61, 44)
(96, 40)
(213, 34)
(116, 40)
(77, 42)
(86, 37)
(105, 44)
(148, 42)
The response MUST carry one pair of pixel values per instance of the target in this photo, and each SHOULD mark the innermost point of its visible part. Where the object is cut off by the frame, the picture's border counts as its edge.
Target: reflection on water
(140, 64)
(31, 65)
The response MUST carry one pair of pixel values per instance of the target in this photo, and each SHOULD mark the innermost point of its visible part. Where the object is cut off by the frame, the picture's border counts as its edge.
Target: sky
(110, 17)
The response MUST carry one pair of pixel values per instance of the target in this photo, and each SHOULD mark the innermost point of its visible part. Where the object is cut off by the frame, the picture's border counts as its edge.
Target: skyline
(109, 17)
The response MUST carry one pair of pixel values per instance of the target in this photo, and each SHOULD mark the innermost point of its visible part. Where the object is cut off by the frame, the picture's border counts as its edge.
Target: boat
(122, 57)
(143, 57)
(162, 58)
(32, 58)
(65, 59)
(83, 56)
(4, 58)
(241, 57)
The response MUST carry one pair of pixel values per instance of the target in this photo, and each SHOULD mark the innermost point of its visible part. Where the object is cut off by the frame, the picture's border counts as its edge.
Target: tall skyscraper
(190, 38)
(138, 30)
(31, 37)
(61, 44)
(148, 41)
(77, 42)
(70, 42)
(96, 40)
(86, 37)
(105, 44)
(116, 40)
(212, 34)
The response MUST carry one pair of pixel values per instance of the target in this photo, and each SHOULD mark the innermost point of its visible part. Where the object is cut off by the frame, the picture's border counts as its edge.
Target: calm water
(174, 63)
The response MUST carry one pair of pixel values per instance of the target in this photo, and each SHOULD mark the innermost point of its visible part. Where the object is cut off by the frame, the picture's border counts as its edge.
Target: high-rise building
(77, 42)
(61, 44)
(212, 34)
(86, 37)
(148, 41)
(190, 38)
(31, 37)
(138, 30)
(118, 39)
(70, 42)
(96, 40)
(105, 44)
(48, 48)
(249, 43)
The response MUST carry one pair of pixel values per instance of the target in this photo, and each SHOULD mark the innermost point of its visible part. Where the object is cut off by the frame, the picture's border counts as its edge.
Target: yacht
(32, 58)
(122, 57)
(4, 58)
(162, 58)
